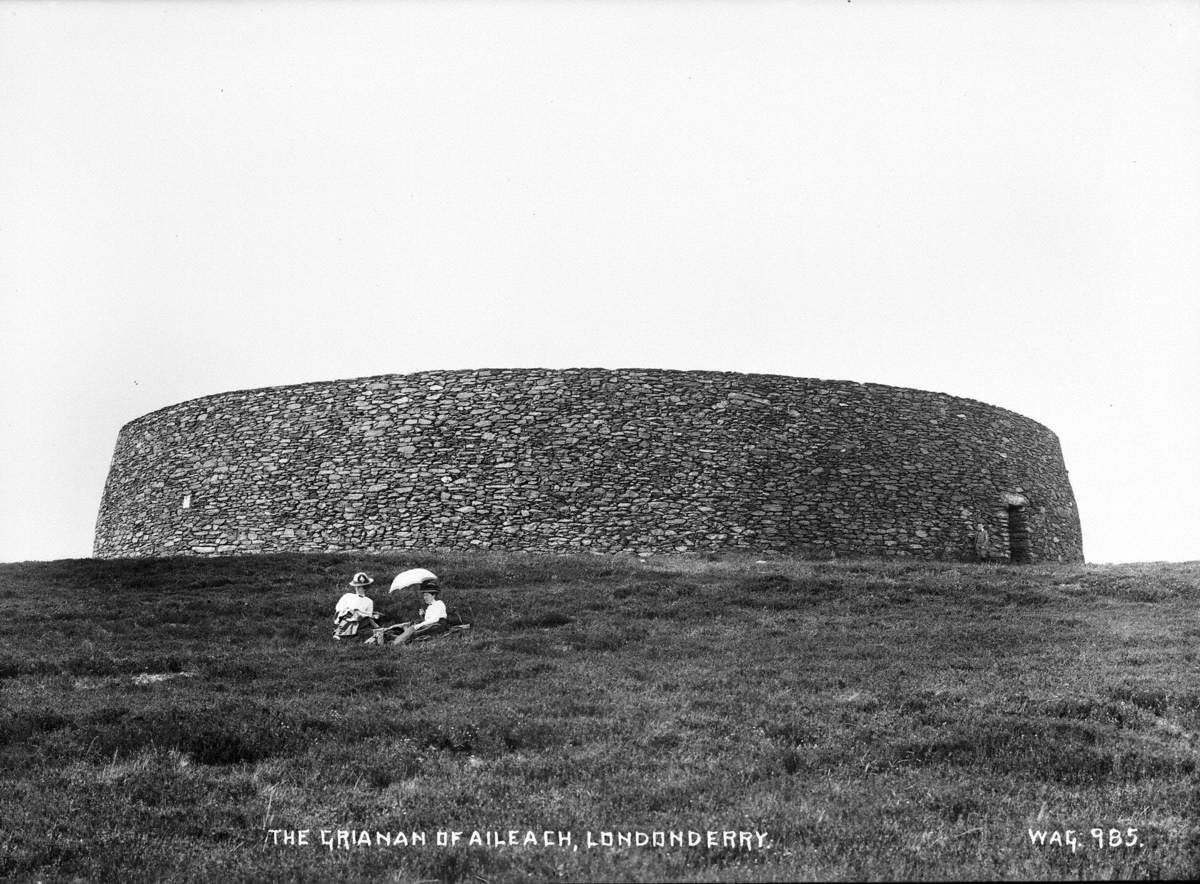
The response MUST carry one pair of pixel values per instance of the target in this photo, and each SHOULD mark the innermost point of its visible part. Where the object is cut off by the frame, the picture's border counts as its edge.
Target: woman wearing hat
(433, 615)
(353, 607)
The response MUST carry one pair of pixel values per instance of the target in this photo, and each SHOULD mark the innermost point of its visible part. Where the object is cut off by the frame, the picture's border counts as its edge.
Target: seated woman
(353, 608)
(433, 615)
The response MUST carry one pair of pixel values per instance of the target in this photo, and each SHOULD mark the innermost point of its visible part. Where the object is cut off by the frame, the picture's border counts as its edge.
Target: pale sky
(995, 200)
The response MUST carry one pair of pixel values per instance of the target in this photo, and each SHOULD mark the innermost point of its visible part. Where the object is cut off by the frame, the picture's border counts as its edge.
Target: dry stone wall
(587, 459)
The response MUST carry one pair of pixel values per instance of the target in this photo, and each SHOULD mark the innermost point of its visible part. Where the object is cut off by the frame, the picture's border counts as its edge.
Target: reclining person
(354, 608)
(433, 615)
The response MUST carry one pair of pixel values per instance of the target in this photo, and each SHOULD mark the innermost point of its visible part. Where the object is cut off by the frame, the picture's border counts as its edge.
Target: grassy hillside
(186, 719)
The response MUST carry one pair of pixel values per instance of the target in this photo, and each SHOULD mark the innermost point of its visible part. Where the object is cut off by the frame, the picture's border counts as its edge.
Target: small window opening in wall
(1018, 536)
(187, 501)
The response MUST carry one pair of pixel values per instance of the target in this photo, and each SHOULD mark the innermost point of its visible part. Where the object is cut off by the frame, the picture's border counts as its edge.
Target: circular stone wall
(587, 459)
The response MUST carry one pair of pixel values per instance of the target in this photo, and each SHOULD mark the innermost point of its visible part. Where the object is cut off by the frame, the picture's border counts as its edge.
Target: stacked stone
(544, 460)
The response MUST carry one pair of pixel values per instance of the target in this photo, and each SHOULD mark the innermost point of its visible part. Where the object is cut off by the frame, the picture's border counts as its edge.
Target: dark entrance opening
(1018, 536)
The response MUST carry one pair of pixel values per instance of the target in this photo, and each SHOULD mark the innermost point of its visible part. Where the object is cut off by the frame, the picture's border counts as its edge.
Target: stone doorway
(1016, 521)
(1019, 551)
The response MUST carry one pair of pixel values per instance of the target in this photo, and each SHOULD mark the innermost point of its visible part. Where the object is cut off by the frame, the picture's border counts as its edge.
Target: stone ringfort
(588, 459)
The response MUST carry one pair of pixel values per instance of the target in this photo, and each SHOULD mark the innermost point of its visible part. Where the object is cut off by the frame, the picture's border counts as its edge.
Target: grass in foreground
(879, 720)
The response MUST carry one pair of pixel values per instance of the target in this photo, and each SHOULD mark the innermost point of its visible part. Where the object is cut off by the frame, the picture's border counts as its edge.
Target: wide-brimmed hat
(421, 577)
(361, 579)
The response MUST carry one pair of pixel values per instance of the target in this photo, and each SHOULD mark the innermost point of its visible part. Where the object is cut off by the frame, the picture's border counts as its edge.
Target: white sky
(997, 200)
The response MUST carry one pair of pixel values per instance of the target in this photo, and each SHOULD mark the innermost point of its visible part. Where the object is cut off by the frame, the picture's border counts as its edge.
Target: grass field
(189, 719)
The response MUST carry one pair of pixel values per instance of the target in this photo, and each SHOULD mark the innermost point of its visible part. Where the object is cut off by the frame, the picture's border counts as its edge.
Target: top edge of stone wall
(616, 372)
